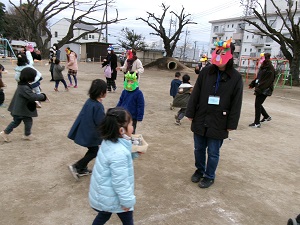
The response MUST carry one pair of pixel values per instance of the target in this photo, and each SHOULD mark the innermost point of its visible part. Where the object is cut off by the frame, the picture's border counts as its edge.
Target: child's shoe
(38, 104)
(70, 85)
(27, 138)
(66, 89)
(171, 106)
(73, 171)
(84, 172)
(177, 122)
(56, 89)
(75, 86)
(4, 136)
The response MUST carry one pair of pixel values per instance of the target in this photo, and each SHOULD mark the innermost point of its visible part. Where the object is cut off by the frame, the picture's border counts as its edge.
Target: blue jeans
(16, 122)
(103, 217)
(207, 167)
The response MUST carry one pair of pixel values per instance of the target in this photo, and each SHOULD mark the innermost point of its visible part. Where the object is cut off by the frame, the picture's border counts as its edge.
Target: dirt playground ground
(257, 182)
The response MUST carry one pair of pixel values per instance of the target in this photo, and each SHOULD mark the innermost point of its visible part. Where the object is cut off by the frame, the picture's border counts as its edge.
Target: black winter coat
(264, 82)
(214, 120)
(112, 59)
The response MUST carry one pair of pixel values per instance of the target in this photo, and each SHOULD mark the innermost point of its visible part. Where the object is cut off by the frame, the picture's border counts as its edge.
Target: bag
(107, 71)
(268, 91)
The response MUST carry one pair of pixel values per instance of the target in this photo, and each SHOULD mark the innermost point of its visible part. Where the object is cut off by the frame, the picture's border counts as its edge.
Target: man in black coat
(214, 109)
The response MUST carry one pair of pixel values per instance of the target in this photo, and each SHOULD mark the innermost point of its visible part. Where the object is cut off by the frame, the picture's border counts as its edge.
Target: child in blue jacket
(132, 99)
(112, 181)
(84, 131)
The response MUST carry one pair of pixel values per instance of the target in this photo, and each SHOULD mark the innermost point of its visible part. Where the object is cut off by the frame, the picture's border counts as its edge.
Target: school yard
(257, 179)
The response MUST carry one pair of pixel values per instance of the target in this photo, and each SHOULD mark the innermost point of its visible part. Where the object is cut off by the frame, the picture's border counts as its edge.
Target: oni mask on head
(222, 53)
(131, 82)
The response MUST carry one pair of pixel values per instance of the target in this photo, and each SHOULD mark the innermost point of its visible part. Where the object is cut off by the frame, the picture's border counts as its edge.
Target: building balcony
(237, 36)
(220, 31)
(258, 42)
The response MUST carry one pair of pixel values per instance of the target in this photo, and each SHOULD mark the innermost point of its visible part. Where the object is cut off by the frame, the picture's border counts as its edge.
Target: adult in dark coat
(112, 60)
(264, 85)
(214, 109)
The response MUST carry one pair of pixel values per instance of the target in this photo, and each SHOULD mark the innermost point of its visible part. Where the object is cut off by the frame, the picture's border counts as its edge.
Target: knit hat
(110, 48)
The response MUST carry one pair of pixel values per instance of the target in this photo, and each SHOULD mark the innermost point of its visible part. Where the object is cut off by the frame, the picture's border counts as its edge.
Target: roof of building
(81, 26)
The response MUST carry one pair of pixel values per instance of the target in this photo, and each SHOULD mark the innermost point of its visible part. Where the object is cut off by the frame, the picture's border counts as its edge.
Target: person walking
(58, 76)
(23, 106)
(84, 131)
(214, 109)
(111, 60)
(132, 99)
(264, 86)
(132, 64)
(182, 98)
(72, 67)
(203, 63)
(112, 181)
(175, 83)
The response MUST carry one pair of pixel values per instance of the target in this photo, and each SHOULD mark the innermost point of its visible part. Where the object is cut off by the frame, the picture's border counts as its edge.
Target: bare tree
(81, 13)
(157, 24)
(131, 40)
(289, 44)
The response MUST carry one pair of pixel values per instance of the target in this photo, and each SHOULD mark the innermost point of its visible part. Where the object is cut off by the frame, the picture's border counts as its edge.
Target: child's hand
(125, 209)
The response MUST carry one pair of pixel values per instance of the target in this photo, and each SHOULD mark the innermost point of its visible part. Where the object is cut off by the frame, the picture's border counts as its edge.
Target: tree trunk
(294, 67)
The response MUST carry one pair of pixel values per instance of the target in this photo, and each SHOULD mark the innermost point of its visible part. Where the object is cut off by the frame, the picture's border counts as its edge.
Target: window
(269, 39)
(228, 26)
(252, 36)
(250, 49)
(247, 37)
(55, 34)
(259, 50)
(272, 23)
(245, 49)
(232, 25)
(85, 37)
(90, 36)
(214, 39)
(216, 28)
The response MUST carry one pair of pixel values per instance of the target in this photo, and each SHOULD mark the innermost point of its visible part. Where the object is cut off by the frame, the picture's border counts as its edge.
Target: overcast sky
(201, 12)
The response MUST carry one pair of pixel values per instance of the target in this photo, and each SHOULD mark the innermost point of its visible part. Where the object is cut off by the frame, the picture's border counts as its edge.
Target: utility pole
(99, 39)
(171, 21)
(194, 49)
(184, 47)
(106, 38)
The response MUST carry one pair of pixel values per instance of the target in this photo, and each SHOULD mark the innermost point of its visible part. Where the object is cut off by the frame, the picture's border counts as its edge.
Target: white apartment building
(61, 27)
(248, 44)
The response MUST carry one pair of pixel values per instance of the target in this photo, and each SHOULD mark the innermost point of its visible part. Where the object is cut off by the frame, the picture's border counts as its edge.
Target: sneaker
(27, 138)
(177, 122)
(176, 117)
(84, 172)
(70, 85)
(38, 104)
(4, 136)
(266, 119)
(171, 106)
(75, 86)
(206, 182)
(196, 177)
(254, 125)
(73, 171)
(114, 90)
(55, 89)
